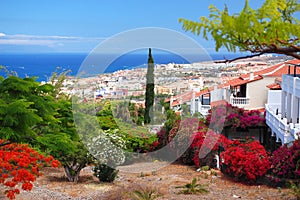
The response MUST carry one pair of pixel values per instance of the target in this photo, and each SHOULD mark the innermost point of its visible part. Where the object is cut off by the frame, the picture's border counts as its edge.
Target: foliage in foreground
(295, 190)
(272, 28)
(285, 161)
(193, 188)
(145, 194)
(19, 166)
(245, 162)
(38, 114)
(105, 173)
(64, 143)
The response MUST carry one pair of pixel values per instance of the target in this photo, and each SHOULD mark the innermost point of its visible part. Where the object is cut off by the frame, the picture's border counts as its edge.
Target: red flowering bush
(285, 161)
(19, 166)
(179, 139)
(205, 145)
(245, 161)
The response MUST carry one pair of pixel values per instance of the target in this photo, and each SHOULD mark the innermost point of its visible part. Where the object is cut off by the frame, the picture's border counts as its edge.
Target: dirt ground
(53, 185)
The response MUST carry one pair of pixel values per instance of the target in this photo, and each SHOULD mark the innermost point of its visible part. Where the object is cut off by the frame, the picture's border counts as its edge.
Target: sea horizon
(42, 65)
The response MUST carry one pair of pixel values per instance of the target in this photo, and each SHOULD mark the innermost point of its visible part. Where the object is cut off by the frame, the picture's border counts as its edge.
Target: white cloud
(50, 41)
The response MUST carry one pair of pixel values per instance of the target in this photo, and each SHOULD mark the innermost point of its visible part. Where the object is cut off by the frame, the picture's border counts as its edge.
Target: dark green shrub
(105, 173)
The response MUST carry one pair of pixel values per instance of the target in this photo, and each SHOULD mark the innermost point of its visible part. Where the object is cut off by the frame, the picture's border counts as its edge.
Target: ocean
(43, 65)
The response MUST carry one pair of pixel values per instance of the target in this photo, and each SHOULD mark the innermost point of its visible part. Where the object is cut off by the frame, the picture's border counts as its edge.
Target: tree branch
(238, 58)
(292, 50)
(296, 47)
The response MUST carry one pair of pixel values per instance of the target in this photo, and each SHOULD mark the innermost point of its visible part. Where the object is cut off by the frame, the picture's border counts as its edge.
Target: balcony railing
(239, 100)
(288, 83)
(286, 132)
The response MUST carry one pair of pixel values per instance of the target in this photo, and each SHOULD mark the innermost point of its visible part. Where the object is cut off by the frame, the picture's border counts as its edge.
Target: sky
(76, 26)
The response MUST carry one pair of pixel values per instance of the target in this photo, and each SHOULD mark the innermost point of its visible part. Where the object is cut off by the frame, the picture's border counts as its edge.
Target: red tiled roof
(274, 86)
(181, 98)
(261, 110)
(202, 92)
(280, 69)
(274, 71)
(243, 80)
(175, 103)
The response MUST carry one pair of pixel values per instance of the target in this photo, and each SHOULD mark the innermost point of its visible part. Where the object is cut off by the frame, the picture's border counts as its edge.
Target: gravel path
(142, 177)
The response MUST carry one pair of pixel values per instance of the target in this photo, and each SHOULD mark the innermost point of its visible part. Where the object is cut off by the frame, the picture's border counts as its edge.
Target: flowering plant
(285, 161)
(245, 161)
(108, 148)
(228, 115)
(20, 164)
(180, 137)
(206, 144)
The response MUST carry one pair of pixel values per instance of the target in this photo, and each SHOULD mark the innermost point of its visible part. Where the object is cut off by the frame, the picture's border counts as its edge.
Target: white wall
(274, 97)
(217, 94)
(257, 91)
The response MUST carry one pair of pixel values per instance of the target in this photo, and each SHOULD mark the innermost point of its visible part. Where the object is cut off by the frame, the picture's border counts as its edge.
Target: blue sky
(79, 26)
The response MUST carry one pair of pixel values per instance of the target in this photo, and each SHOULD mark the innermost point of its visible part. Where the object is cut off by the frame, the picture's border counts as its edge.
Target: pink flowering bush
(285, 161)
(228, 115)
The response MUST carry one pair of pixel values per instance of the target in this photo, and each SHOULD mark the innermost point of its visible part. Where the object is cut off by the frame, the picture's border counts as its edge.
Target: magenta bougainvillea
(285, 161)
(228, 115)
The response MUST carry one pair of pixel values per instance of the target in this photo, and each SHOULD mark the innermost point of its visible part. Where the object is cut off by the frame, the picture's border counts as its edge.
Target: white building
(247, 91)
(283, 110)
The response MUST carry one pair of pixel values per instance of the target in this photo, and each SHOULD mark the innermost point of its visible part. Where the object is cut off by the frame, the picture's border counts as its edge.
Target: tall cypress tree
(149, 101)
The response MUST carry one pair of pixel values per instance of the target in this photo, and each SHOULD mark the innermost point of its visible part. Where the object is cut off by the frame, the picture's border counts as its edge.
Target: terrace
(283, 117)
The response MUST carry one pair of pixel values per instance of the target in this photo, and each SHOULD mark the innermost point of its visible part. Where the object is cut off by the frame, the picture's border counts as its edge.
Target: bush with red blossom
(20, 165)
(245, 162)
(179, 139)
(205, 145)
(181, 144)
(285, 161)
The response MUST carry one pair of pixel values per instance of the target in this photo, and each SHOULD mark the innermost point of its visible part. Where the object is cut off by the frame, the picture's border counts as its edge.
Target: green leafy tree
(272, 28)
(65, 144)
(35, 114)
(149, 99)
(57, 79)
(26, 109)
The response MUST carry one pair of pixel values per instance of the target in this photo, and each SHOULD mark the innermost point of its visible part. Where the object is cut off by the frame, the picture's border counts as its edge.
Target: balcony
(291, 84)
(288, 83)
(204, 109)
(286, 132)
(239, 101)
